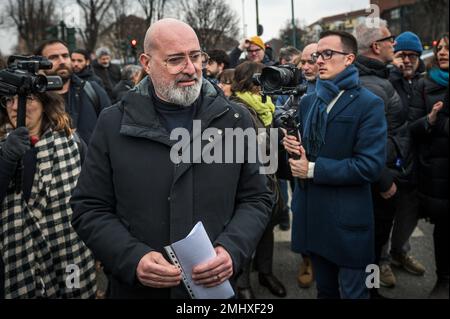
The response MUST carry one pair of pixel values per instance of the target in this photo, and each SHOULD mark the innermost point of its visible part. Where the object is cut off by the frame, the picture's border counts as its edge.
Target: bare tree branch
(213, 20)
(94, 17)
(153, 9)
(31, 18)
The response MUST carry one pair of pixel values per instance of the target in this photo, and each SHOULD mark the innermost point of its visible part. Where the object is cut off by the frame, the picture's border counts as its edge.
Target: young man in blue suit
(342, 152)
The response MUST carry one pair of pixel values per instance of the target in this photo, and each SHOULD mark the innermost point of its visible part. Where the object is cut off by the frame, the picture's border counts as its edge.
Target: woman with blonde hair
(41, 255)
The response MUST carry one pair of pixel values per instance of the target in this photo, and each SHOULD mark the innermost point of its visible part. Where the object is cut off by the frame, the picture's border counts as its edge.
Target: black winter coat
(131, 199)
(82, 110)
(121, 89)
(88, 75)
(432, 147)
(405, 88)
(399, 168)
(110, 76)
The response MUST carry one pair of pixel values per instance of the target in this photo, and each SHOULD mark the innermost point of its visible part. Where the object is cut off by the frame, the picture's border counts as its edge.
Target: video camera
(284, 80)
(281, 80)
(22, 78)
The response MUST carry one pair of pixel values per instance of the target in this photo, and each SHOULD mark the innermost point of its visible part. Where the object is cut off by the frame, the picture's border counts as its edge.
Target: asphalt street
(408, 286)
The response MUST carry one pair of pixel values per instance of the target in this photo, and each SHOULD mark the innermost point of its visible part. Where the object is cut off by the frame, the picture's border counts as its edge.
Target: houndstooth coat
(42, 255)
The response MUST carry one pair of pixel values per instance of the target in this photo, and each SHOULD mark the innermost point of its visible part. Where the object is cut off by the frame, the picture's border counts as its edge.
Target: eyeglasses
(176, 64)
(254, 51)
(326, 54)
(390, 38)
(7, 102)
(412, 56)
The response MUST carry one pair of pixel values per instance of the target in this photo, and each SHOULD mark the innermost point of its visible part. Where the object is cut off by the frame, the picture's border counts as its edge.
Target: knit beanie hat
(408, 41)
(257, 41)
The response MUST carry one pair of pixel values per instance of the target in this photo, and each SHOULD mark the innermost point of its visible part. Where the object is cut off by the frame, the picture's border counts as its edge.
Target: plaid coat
(42, 255)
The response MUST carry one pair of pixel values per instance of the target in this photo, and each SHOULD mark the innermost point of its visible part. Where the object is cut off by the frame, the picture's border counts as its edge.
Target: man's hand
(432, 117)
(156, 272)
(390, 193)
(300, 167)
(291, 144)
(398, 61)
(244, 45)
(215, 271)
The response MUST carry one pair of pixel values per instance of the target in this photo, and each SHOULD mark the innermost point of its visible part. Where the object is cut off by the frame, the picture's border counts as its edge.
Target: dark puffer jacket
(400, 159)
(405, 88)
(432, 147)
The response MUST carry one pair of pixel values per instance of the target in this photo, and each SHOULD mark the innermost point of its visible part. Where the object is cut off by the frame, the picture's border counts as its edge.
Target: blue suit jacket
(333, 213)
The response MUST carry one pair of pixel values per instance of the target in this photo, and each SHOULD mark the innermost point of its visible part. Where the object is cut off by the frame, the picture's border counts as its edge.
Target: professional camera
(281, 80)
(22, 76)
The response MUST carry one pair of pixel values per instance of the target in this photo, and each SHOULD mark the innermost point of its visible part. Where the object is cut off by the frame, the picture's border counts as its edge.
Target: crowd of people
(90, 182)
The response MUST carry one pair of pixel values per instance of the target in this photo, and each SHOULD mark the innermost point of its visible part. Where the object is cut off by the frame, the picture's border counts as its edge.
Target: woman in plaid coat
(41, 255)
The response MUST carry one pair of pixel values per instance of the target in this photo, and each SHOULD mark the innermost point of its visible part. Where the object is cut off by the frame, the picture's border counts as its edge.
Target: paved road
(408, 286)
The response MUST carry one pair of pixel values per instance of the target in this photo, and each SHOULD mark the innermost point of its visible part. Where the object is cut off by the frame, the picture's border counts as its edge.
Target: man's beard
(182, 96)
(66, 77)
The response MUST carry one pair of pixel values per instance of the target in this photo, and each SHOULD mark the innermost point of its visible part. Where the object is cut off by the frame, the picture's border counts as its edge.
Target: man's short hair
(102, 52)
(288, 53)
(366, 35)
(83, 52)
(129, 71)
(220, 57)
(349, 43)
(46, 43)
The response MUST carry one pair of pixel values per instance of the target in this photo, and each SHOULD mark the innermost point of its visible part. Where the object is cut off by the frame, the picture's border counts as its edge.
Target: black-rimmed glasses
(326, 54)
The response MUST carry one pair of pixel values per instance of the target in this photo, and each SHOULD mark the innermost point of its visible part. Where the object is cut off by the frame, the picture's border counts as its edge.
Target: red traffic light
(134, 43)
(435, 43)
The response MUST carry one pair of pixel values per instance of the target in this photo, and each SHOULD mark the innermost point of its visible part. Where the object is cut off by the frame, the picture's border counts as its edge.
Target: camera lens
(274, 78)
(39, 84)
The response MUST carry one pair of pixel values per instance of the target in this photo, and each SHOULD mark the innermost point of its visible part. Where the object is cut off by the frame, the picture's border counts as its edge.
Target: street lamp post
(294, 28)
(257, 15)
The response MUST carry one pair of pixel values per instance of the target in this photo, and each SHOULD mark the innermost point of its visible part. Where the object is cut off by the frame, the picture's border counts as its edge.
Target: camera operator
(37, 241)
(310, 70)
(343, 152)
(247, 94)
(84, 100)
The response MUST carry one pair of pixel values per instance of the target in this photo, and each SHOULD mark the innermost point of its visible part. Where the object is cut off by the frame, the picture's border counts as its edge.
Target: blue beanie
(408, 41)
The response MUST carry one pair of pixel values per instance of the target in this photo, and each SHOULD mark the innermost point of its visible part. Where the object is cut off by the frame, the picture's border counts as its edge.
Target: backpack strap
(82, 147)
(93, 96)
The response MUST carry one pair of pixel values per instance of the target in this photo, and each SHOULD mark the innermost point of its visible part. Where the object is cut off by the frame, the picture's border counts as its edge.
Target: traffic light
(134, 44)
(52, 33)
(134, 52)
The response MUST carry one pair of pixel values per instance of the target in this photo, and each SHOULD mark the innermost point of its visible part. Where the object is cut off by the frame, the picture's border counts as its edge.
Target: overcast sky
(273, 15)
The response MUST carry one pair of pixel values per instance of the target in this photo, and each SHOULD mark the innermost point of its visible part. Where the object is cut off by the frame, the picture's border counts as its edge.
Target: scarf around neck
(265, 111)
(439, 76)
(316, 120)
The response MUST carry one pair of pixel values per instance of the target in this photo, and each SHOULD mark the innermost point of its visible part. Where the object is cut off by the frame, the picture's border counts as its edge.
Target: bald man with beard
(132, 200)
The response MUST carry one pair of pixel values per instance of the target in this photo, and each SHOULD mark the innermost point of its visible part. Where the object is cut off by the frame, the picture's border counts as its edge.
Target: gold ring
(218, 277)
